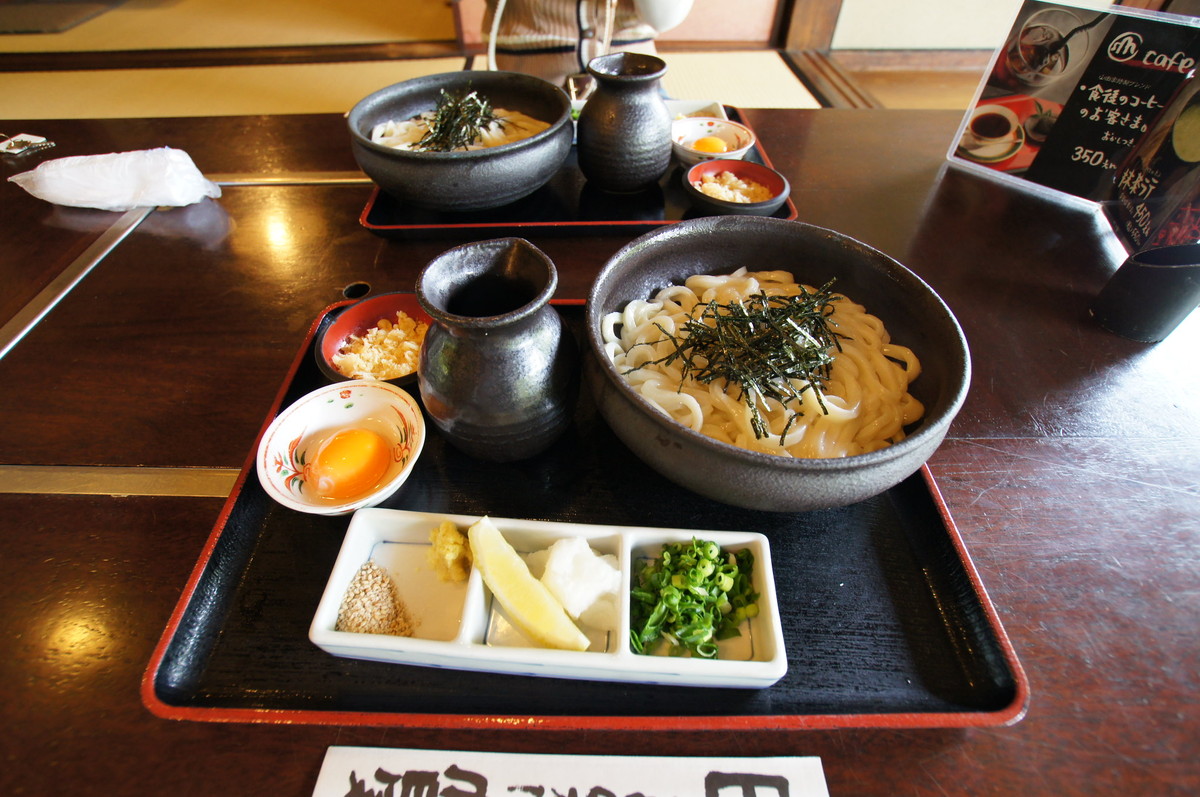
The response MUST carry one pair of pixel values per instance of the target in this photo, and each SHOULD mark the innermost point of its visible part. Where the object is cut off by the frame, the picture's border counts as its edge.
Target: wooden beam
(812, 25)
(828, 82)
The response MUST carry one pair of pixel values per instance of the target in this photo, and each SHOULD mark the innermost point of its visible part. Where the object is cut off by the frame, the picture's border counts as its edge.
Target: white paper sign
(394, 772)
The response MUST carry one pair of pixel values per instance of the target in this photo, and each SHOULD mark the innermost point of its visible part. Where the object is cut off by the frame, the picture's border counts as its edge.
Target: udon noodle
(862, 404)
(507, 127)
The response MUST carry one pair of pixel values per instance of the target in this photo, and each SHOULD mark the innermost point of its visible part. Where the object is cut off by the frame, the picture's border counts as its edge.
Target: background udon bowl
(912, 312)
(473, 179)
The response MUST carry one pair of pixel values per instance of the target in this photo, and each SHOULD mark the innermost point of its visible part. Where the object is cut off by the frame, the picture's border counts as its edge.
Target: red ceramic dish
(357, 319)
(750, 171)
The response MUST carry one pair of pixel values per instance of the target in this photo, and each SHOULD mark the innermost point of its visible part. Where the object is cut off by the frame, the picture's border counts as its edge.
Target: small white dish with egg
(539, 598)
(695, 139)
(341, 447)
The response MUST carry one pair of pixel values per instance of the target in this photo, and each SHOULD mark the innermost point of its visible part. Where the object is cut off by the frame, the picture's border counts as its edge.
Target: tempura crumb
(386, 351)
(730, 188)
(450, 554)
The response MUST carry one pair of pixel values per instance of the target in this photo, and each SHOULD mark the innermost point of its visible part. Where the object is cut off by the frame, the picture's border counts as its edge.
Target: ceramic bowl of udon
(463, 180)
(912, 312)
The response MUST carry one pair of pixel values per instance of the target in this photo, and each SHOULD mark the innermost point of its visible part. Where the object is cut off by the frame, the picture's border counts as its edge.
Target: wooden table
(1072, 472)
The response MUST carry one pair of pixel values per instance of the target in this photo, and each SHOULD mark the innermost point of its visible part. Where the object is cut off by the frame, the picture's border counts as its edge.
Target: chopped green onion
(690, 597)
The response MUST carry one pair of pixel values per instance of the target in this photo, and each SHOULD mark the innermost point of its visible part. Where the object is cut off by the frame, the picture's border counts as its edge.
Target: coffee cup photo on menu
(993, 134)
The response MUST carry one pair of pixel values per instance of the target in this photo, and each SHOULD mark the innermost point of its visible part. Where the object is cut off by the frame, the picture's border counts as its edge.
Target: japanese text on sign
(382, 772)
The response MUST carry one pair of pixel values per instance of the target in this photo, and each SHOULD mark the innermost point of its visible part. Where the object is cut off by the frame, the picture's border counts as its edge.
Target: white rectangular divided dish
(459, 626)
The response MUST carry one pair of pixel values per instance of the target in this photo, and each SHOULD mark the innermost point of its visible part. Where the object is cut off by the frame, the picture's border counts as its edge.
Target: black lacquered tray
(566, 205)
(885, 621)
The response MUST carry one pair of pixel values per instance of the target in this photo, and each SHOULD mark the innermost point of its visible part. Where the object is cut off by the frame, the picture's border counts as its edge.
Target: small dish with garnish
(378, 337)
(735, 188)
(477, 619)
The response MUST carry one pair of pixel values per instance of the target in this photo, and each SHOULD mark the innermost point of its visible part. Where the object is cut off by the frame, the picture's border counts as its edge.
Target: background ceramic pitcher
(624, 131)
(498, 372)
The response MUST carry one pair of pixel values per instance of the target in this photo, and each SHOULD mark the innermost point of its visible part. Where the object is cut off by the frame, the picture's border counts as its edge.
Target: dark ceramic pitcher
(499, 372)
(624, 131)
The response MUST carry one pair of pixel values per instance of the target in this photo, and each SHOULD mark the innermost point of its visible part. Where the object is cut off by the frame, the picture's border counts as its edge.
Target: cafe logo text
(1128, 47)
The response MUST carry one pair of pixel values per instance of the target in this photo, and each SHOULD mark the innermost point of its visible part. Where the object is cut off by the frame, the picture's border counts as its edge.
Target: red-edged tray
(885, 621)
(566, 205)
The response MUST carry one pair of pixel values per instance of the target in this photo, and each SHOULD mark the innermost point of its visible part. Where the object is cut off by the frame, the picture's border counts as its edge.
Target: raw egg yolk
(710, 144)
(350, 463)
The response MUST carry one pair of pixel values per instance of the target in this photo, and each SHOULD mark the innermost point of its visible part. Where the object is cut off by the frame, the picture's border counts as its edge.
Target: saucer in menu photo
(995, 152)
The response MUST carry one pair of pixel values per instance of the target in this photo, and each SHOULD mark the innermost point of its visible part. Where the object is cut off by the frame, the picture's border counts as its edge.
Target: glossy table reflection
(1072, 471)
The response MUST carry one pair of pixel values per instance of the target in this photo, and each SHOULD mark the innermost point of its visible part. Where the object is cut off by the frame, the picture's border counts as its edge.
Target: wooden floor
(913, 79)
(951, 89)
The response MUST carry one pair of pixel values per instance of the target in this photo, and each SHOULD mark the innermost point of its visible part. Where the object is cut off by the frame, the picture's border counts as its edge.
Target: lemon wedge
(528, 603)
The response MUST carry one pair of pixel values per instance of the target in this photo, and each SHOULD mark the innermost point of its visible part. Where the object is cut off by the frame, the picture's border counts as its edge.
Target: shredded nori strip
(760, 345)
(457, 122)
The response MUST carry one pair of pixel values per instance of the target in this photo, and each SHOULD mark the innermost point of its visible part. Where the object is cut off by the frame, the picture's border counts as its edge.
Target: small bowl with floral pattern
(341, 447)
(695, 139)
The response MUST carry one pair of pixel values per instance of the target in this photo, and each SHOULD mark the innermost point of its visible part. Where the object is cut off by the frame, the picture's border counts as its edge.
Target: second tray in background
(565, 205)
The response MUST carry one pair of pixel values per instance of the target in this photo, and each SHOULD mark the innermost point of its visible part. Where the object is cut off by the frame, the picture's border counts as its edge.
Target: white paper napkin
(119, 180)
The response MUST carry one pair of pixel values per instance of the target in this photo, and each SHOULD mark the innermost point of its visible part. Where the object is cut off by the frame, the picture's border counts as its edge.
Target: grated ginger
(450, 554)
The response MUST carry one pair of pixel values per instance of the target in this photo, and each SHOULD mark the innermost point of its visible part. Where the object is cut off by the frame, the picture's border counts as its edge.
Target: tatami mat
(26, 18)
(205, 91)
(747, 80)
(189, 24)
(743, 78)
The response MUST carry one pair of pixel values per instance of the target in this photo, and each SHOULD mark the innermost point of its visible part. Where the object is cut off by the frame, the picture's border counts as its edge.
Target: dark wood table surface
(1073, 471)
